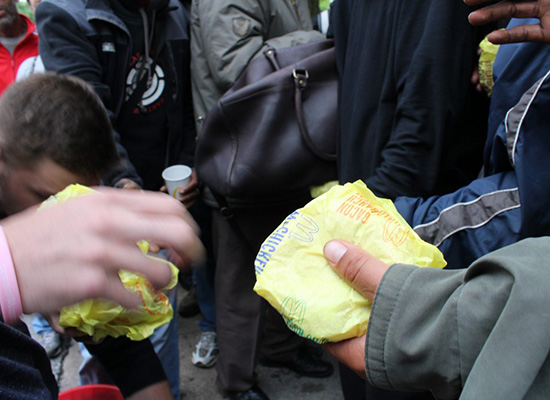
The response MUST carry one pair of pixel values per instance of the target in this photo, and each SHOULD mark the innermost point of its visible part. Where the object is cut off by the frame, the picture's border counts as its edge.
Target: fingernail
(334, 250)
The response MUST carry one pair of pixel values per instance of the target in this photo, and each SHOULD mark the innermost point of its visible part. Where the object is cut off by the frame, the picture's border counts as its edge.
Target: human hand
(175, 259)
(188, 195)
(363, 272)
(170, 255)
(73, 251)
(53, 320)
(127, 184)
(514, 9)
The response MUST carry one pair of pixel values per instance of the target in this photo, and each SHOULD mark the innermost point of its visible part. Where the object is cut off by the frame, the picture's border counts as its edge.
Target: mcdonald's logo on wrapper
(293, 312)
(294, 277)
(395, 233)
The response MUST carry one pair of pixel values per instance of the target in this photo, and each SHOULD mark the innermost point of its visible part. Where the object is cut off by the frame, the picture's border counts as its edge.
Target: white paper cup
(176, 177)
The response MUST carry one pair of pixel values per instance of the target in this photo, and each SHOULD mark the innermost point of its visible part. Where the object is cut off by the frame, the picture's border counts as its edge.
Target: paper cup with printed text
(176, 177)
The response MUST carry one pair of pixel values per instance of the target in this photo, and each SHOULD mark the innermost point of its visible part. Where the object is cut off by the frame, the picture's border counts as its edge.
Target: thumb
(358, 268)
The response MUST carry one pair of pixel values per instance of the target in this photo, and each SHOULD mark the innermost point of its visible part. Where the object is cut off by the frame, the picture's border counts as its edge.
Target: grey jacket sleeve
(478, 333)
(233, 32)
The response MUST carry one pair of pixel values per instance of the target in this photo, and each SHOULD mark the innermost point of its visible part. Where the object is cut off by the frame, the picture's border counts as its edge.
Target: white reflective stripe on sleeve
(516, 115)
(470, 215)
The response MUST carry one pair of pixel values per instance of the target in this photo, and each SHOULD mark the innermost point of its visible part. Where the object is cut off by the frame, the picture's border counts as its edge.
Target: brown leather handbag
(273, 134)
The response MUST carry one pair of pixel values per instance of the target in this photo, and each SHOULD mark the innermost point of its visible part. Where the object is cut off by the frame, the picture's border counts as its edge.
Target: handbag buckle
(300, 77)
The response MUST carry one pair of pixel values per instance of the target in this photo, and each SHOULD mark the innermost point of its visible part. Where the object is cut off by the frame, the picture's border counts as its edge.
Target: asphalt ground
(199, 384)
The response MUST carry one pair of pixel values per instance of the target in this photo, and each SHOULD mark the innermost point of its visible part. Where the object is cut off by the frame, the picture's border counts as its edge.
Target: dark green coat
(473, 334)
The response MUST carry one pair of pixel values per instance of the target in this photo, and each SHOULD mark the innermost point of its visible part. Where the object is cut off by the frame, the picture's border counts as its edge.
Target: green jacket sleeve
(478, 333)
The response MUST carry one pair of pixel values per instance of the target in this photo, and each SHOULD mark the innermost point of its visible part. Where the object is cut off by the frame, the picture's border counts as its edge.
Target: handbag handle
(300, 83)
(271, 54)
(300, 77)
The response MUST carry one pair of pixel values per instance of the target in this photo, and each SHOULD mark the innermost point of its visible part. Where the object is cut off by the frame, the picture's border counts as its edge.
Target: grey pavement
(199, 384)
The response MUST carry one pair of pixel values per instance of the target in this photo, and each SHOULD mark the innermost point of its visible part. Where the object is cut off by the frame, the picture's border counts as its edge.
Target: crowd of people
(108, 93)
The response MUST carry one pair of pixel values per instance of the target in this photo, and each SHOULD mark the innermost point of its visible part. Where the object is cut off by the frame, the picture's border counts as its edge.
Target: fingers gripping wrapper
(99, 317)
(295, 278)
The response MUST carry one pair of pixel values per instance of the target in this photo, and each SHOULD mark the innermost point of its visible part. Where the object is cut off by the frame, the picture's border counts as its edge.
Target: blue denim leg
(204, 279)
(41, 324)
(165, 342)
(203, 274)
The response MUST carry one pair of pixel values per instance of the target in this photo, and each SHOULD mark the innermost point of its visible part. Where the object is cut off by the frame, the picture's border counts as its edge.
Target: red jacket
(9, 64)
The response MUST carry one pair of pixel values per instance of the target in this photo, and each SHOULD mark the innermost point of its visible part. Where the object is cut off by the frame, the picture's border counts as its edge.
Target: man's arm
(73, 251)
(510, 204)
(514, 9)
(470, 222)
(451, 332)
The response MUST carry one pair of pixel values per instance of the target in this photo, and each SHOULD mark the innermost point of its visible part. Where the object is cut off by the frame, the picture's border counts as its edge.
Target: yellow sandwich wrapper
(294, 277)
(99, 317)
(486, 60)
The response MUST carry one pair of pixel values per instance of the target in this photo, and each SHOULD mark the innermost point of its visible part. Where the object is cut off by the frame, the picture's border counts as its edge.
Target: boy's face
(21, 187)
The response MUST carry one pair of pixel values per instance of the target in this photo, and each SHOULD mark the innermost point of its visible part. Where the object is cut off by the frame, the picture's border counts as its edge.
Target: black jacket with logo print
(87, 39)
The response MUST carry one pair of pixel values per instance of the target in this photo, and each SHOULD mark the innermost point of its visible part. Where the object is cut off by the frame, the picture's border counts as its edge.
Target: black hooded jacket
(411, 123)
(87, 39)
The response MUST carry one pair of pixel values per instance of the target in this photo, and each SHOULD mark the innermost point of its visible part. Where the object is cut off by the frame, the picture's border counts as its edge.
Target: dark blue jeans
(203, 275)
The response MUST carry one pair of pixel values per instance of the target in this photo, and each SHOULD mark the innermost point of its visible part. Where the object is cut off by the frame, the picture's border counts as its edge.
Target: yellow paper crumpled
(486, 61)
(99, 317)
(295, 278)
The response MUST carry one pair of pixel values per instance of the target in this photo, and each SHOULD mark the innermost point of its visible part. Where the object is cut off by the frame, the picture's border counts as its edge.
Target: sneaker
(51, 341)
(206, 351)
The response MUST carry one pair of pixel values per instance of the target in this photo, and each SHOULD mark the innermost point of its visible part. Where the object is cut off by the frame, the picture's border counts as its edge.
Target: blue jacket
(510, 201)
(85, 38)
